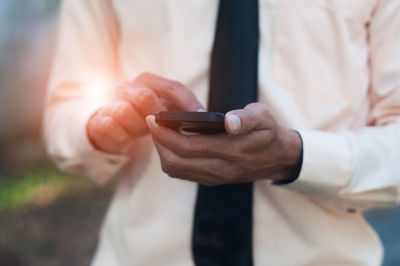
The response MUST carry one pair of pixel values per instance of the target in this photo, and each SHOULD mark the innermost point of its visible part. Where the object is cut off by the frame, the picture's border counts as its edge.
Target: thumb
(254, 116)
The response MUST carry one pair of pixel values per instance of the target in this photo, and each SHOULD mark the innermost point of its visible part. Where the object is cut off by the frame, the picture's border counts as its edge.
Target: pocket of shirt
(320, 48)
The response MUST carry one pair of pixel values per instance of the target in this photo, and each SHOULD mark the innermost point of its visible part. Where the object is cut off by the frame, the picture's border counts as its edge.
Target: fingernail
(201, 110)
(233, 123)
(149, 122)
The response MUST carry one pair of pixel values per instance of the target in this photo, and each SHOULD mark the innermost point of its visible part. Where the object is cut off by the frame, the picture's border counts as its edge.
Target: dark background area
(48, 217)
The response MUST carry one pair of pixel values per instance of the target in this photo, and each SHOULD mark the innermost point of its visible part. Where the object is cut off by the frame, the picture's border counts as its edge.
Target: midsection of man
(315, 76)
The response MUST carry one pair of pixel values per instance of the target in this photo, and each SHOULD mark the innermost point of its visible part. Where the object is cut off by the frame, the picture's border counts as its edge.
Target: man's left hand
(255, 147)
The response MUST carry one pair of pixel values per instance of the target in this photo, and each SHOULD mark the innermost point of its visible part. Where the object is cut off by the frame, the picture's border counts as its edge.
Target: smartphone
(192, 122)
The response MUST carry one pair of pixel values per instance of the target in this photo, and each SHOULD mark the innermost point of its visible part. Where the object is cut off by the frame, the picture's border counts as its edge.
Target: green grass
(41, 185)
(48, 217)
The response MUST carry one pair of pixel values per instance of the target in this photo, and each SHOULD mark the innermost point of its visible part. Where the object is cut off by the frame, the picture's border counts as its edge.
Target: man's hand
(114, 127)
(256, 147)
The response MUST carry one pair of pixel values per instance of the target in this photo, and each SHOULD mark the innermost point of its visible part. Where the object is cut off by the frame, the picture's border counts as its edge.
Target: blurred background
(48, 217)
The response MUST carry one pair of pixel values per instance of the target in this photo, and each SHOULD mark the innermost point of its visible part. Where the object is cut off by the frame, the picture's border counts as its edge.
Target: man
(328, 69)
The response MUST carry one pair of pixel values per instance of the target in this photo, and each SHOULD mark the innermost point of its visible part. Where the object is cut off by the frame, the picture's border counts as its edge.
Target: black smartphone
(192, 122)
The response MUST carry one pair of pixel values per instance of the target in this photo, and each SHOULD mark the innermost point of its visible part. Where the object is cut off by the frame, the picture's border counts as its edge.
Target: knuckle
(123, 87)
(266, 114)
(236, 153)
(234, 150)
(171, 89)
(252, 106)
(124, 106)
(250, 117)
(257, 109)
(105, 110)
(166, 168)
(233, 157)
(182, 151)
(252, 163)
(121, 109)
(144, 75)
(169, 164)
(193, 102)
(185, 148)
(170, 172)
(260, 106)
(174, 175)
(232, 153)
(144, 95)
(175, 85)
(190, 94)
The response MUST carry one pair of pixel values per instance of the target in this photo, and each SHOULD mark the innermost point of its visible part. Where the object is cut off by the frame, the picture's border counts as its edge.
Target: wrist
(292, 154)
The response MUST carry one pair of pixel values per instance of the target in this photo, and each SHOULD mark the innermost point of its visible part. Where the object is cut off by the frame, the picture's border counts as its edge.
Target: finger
(126, 116)
(108, 134)
(216, 146)
(129, 119)
(173, 166)
(254, 116)
(145, 101)
(208, 171)
(171, 90)
(169, 105)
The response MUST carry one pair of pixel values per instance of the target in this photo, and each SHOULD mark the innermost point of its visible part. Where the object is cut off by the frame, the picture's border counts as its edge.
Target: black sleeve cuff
(298, 168)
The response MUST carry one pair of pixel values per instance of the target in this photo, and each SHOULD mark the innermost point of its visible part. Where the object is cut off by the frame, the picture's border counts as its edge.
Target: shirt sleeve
(356, 170)
(84, 73)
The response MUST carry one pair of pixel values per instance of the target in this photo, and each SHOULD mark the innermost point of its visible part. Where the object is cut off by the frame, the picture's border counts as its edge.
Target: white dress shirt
(327, 68)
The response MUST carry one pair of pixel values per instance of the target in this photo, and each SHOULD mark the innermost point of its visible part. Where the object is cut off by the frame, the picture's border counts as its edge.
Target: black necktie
(222, 233)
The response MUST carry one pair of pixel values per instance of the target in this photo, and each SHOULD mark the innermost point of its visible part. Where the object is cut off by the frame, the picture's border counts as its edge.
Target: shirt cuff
(326, 165)
(83, 157)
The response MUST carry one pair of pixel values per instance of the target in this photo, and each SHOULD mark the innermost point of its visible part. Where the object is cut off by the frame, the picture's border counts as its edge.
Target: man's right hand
(115, 126)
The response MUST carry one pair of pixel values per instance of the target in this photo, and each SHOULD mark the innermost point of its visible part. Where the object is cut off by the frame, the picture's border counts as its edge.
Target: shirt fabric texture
(329, 69)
